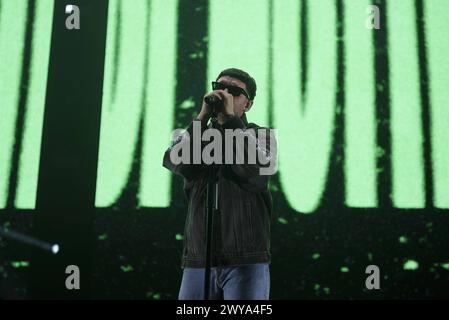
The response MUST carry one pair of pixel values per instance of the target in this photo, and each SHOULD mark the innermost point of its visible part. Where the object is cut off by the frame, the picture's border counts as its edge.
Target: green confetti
(445, 265)
(344, 269)
(282, 220)
(152, 295)
(187, 104)
(326, 290)
(370, 256)
(156, 296)
(403, 239)
(102, 237)
(179, 236)
(127, 268)
(380, 152)
(316, 287)
(20, 264)
(196, 55)
(315, 256)
(411, 265)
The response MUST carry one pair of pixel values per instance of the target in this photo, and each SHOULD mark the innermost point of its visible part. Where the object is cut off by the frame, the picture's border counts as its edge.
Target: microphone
(214, 102)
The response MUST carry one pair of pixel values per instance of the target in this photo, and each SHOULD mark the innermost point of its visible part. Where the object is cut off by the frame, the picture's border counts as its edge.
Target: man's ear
(248, 105)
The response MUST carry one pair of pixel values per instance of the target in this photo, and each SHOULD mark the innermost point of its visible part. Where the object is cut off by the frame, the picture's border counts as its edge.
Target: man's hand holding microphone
(217, 103)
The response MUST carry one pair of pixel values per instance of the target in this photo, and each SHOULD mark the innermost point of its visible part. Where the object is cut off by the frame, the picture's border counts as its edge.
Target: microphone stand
(211, 205)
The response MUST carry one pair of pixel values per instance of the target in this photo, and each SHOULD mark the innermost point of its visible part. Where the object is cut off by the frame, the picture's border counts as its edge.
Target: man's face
(241, 102)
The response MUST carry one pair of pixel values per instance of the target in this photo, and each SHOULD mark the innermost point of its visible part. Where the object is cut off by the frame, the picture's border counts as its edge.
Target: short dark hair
(243, 76)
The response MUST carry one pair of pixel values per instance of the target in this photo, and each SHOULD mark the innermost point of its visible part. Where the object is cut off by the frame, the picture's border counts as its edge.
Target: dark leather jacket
(241, 232)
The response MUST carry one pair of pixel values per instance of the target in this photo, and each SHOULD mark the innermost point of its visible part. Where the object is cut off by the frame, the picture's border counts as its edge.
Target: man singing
(240, 252)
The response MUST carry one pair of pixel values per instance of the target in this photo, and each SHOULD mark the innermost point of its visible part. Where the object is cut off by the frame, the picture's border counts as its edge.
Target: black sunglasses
(234, 90)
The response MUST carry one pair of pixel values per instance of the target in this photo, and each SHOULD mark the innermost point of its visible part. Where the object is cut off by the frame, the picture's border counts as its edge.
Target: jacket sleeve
(264, 147)
(188, 170)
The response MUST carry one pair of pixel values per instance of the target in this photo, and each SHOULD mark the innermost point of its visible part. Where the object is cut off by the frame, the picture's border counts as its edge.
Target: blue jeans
(246, 282)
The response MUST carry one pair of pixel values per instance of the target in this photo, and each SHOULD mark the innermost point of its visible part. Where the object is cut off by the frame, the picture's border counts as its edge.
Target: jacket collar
(214, 124)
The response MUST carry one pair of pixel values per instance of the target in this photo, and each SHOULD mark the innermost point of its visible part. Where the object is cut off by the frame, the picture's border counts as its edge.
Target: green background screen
(362, 120)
